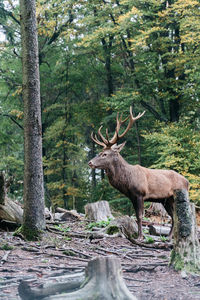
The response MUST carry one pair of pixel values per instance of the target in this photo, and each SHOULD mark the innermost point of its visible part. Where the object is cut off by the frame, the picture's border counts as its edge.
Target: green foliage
(6, 247)
(163, 239)
(100, 224)
(176, 147)
(69, 253)
(62, 228)
(97, 58)
(112, 229)
(149, 240)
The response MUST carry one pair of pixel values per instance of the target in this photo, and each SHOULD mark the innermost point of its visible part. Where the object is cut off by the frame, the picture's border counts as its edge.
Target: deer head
(110, 148)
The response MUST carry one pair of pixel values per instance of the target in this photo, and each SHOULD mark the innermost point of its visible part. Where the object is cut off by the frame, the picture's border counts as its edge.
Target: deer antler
(106, 143)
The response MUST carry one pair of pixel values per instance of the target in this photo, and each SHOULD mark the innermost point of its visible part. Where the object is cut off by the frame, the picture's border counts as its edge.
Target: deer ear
(119, 147)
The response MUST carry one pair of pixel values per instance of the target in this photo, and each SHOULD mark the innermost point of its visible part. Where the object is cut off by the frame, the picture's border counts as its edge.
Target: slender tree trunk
(94, 182)
(2, 188)
(34, 220)
(107, 49)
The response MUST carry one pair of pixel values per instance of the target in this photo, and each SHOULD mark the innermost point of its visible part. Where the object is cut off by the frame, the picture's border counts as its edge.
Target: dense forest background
(97, 58)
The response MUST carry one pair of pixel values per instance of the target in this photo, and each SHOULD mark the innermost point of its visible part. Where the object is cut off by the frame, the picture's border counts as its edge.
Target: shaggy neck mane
(115, 171)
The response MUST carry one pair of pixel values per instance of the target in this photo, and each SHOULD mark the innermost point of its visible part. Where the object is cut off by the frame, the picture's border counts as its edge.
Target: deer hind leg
(169, 206)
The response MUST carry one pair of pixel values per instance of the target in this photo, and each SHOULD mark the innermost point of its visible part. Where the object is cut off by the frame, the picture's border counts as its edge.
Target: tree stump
(98, 211)
(103, 282)
(125, 224)
(157, 209)
(186, 251)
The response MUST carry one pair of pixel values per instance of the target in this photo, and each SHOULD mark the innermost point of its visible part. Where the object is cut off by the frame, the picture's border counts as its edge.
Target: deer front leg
(139, 207)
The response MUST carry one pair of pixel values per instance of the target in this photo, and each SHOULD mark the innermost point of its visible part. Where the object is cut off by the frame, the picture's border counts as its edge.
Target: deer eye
(104, 154)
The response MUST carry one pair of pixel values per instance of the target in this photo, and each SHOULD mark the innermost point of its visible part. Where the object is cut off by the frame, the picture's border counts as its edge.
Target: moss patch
(176, 261)
(28, 233)
(112, 229)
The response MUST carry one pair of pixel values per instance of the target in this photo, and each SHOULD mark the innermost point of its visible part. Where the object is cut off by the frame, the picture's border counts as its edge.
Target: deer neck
(116, 171)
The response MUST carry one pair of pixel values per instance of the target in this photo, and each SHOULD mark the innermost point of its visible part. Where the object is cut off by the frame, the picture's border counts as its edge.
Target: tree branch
(154, 112)
(11, 117)
(9, 14)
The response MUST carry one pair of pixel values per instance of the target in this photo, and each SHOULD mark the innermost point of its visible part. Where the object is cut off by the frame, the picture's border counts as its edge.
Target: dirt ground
(145, 271)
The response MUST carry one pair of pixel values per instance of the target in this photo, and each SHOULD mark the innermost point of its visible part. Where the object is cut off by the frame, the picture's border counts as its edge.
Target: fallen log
(51, 286)
(159, 230)
(9, 210)
(67, 215)
(186, 250)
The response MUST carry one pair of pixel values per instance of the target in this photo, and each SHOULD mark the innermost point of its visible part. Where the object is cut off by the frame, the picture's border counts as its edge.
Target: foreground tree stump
(98, 211)
(186, 251)
(103, 282)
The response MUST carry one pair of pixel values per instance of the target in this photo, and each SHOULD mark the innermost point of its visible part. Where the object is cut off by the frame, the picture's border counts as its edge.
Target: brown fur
(139, 184)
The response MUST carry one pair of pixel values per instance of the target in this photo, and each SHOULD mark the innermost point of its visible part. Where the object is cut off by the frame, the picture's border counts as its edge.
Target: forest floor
(66, 250)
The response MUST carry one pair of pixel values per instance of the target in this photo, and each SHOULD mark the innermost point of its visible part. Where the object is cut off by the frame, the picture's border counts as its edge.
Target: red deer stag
(139, 184)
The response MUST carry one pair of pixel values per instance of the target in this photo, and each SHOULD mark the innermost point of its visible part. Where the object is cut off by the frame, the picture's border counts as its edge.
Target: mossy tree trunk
(34, 220)
(186, 251)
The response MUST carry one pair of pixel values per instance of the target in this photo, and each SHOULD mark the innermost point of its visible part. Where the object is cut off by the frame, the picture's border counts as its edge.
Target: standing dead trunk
(34, 220)
(186, 252)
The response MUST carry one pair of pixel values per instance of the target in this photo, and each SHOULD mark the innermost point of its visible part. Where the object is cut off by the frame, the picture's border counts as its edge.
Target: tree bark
(186, 251)
(33, 171)
(2, 188)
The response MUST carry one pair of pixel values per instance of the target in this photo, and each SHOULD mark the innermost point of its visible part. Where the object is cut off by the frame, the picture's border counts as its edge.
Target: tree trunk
(186, 252)
(107, 48)
(2, 188)
(34, 219)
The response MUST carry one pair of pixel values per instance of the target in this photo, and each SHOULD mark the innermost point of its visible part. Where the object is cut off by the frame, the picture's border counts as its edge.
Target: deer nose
(90, 163)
